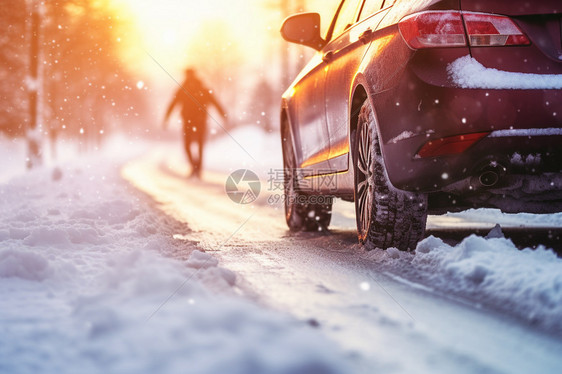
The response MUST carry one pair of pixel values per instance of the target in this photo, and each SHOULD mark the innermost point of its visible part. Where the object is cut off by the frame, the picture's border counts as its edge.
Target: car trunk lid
(540, 21)
(513, 7)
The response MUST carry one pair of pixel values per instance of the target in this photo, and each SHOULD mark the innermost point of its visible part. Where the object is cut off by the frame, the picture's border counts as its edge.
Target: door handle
(365, 36)
(328, 56)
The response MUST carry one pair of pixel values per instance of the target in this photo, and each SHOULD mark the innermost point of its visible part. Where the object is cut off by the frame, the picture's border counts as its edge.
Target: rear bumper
(415, 112)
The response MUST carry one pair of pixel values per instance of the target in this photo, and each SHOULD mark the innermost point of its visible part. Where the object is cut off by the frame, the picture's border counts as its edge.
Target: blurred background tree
(14, 49)
(85, 89)
(94, 53)
(88, 91)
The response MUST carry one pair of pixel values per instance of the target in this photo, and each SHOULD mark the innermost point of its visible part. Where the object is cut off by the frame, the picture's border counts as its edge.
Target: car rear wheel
(386, 217)
(301, 213)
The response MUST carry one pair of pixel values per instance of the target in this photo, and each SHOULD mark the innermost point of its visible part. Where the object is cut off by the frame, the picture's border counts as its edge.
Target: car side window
(346, 16)
(371, 7)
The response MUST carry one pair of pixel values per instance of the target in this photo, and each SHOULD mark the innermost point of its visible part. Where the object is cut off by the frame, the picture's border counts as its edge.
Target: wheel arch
(358, 98)
(361, 95)
(286, 124)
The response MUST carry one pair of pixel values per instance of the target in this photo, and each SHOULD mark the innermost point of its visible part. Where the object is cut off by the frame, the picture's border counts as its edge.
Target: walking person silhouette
(194, 99)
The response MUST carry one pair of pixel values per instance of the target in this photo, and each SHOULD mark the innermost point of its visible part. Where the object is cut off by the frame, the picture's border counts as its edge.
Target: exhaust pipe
(489, 178)
(490, 175)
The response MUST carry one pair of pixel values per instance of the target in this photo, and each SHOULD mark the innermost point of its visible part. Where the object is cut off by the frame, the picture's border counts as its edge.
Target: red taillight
(449, 29)
(492, 30)
(450, 146)
(433, 29)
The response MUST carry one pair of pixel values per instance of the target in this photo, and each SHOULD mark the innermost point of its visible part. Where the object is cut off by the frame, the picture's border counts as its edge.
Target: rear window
(371, 7)
(347, 16)
(327, 9)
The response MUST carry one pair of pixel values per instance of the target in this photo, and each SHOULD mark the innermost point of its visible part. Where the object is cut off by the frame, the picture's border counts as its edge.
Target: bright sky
(172, 30)
(250, 28)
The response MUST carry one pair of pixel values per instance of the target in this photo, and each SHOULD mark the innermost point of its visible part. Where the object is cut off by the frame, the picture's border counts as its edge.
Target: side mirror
(303, 28)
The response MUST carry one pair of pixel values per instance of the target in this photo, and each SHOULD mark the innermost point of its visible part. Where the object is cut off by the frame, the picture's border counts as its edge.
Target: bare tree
(14, 49)
(88, 89)
(34, 131)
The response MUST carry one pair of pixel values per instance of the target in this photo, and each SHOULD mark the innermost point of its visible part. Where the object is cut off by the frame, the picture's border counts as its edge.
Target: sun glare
(169, 29)
(233, 44)
(169, 37)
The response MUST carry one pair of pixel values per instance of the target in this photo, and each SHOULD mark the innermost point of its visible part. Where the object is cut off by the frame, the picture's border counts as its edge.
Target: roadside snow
(467, 72)
(244, 147)
(13, 153)
(490, 271)
(490, 217)
(94, 279)
(84, 287)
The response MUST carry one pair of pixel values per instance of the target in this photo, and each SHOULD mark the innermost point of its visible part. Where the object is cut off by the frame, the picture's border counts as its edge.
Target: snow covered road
(102, 270)
(94, 280)
(480, 306)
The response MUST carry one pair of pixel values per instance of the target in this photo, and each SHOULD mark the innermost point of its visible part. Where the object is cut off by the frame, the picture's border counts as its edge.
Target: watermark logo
(314, 186)
(243, 186)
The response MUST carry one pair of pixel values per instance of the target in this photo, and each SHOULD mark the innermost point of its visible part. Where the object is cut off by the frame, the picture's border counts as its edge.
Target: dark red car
(410, 107)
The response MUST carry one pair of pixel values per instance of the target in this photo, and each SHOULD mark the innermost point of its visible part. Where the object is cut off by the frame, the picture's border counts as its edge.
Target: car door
(306, 99)
(346, 50)
(307, 108)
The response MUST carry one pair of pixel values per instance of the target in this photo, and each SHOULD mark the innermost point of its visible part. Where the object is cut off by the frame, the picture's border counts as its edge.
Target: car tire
(386, 217)
(300, 214)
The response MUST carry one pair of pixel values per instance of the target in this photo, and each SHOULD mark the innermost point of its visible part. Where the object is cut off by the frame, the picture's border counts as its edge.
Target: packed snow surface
(489, 217)
(467, 72)
(93, 281)
(490, 271)
(245, 147)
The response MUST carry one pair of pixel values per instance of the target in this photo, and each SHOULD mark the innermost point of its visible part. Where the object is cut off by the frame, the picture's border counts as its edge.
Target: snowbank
(469, 73)
(490, 271)
(84, 287)
(244, 147)
(12, 161)
(493, 216)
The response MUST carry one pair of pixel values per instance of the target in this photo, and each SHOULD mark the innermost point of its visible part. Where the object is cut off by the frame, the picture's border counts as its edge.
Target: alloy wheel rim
(365, 185)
